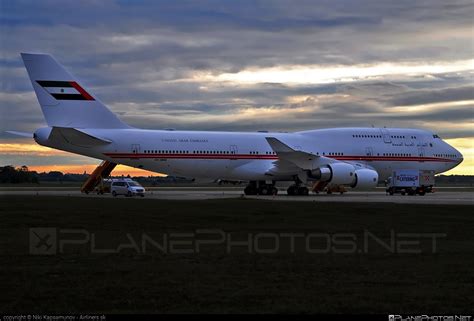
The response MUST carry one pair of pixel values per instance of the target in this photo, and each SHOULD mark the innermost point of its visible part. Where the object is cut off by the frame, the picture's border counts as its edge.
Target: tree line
(16, 175)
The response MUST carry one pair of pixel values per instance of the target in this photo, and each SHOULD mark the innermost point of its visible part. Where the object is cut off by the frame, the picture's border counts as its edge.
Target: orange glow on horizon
(80, 169)
(29, 149)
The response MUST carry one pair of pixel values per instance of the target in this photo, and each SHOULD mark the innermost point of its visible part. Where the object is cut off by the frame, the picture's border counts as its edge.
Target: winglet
(278, 146)
(303, 160)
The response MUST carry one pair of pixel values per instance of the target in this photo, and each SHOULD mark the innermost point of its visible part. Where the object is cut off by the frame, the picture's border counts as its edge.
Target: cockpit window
(435, 136)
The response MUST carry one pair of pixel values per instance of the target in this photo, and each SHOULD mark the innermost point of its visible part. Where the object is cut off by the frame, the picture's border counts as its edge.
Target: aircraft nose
(460, 156)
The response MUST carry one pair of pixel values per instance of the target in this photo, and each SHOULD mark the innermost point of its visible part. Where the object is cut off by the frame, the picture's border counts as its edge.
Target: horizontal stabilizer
(77, 137)
(22, 134)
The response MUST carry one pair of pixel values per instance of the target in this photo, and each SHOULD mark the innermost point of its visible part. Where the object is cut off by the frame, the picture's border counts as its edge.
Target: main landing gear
(263, 188)
(297, 189)
(260, 188)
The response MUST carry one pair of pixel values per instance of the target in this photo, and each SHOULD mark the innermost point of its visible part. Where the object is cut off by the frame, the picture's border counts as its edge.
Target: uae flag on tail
(65, 90)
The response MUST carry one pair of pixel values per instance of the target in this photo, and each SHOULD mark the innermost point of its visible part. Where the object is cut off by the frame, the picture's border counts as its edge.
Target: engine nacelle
(342, 173)
(320, 174)
(337, 173)
(365, 178)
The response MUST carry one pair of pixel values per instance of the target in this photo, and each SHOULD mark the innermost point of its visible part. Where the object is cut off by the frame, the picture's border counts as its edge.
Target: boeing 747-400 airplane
(78, 122)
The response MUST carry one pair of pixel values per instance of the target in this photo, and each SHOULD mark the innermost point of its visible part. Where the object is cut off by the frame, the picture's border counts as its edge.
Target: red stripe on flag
(81, 91)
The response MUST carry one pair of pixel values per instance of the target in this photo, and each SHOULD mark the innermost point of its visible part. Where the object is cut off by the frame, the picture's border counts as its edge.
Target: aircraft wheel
(114, 194)
(274, 190)
(291, 190)
(250, 190)
(303, 190)
(263, 190)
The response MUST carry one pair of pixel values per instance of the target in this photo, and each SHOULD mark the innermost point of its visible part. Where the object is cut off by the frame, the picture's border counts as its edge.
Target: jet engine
(345, 174)
(365, 178)
(337, 173)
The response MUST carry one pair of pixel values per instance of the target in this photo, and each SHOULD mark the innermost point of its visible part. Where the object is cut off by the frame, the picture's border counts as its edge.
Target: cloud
(428, 96)
(246, 65)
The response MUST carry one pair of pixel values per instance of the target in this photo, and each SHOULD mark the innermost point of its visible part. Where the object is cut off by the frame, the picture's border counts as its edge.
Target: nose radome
(460, 157)
(458, 154)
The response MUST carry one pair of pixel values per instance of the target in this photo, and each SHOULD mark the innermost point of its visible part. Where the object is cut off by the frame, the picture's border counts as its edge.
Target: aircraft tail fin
(64, 101)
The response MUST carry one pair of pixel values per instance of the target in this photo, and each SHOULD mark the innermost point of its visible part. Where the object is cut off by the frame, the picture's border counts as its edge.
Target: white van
(126, 187)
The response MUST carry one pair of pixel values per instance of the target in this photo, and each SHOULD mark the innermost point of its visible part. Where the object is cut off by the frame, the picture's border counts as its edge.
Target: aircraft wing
(282, 167)
(289, 157)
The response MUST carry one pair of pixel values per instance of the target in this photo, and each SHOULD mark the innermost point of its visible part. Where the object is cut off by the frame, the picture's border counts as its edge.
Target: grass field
(313, 277)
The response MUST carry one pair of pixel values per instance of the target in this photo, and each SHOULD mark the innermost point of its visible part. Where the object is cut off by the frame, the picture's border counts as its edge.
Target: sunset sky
(245, 65)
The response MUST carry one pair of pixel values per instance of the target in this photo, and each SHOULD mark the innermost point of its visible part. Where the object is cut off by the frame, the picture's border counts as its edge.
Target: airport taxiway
(183, 193)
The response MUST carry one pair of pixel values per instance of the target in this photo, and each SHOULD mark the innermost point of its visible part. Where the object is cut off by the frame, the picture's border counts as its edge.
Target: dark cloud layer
(427, 96)
(155, 63)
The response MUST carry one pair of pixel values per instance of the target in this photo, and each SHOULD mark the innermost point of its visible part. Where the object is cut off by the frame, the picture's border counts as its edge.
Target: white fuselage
(248, 156)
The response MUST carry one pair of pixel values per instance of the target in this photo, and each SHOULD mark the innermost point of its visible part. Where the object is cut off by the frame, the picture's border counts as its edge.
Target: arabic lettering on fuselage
(184, 140)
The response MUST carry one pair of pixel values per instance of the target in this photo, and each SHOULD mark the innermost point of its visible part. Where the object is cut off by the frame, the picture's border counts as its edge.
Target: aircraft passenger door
(386, 135)
(421, 152)
(369, 151)
(233, 149)
(136, 148)
(231, 163)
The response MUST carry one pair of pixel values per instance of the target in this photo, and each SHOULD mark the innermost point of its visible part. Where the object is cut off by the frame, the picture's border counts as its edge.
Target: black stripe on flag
(68, 96)
(51, 83)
